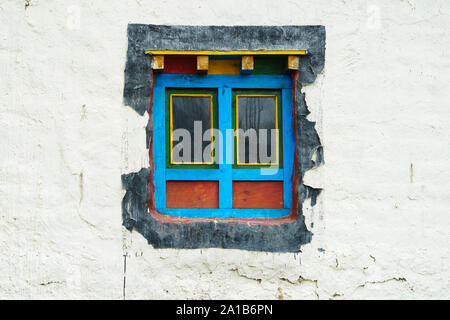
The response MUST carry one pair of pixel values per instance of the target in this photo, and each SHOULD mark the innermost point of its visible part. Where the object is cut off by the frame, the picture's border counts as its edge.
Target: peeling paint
(398, 279)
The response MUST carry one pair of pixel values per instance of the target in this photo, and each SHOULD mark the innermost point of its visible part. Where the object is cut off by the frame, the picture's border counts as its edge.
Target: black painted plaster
(286, 237)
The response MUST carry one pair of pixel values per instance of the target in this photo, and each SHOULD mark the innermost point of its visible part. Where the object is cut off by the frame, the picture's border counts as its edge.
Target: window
(223, 140)
(180, 204)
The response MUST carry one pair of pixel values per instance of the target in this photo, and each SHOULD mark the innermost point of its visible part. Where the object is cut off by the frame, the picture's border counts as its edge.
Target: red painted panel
(258, 194)
(192, 194)
(180, 64)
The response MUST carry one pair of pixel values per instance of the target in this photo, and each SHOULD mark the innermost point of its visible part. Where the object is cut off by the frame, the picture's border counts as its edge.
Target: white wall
(381, 106)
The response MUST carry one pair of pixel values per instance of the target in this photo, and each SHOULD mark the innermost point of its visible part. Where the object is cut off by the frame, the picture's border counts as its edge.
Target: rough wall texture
(381, 225)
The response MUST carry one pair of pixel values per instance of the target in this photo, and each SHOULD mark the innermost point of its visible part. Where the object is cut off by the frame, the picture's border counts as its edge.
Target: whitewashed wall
(381, 227)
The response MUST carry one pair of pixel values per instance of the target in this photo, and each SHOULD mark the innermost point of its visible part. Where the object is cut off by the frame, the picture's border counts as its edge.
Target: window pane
(257, 129)
(191, 117)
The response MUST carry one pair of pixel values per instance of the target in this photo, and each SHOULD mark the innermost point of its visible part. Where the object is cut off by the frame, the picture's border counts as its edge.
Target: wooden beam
(158, 63)
(202, 63)
(231, 52)
(247, 64)
(293, 62)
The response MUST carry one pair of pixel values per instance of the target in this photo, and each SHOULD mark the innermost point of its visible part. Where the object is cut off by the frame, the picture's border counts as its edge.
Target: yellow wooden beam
(293, 62)
(202, 63)
(247, 64)
(231, 52)
(158, 63)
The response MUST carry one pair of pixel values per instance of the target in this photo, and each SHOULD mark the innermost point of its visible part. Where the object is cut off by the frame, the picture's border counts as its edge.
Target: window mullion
(225, 166)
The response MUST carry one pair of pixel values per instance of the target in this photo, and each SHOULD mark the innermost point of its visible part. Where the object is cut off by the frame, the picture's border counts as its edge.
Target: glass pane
(257, 129)
(191, 117)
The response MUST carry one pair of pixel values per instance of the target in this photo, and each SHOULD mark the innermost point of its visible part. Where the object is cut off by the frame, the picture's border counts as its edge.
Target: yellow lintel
(231, 52)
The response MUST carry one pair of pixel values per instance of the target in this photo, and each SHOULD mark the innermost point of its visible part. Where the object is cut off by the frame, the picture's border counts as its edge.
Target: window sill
(226, 213)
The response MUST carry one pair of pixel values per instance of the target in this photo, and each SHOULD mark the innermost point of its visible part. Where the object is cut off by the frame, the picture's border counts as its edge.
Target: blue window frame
(225, 174)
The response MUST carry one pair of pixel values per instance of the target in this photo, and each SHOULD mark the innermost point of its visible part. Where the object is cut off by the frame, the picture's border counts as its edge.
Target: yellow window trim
(237, 129)
(234, 52)
(171, 126)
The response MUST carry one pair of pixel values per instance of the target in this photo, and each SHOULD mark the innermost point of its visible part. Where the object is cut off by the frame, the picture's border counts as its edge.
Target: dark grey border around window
(287, 237)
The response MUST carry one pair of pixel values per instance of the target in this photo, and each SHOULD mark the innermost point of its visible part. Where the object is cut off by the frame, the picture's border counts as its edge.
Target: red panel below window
(258, 194)
(192, 194)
